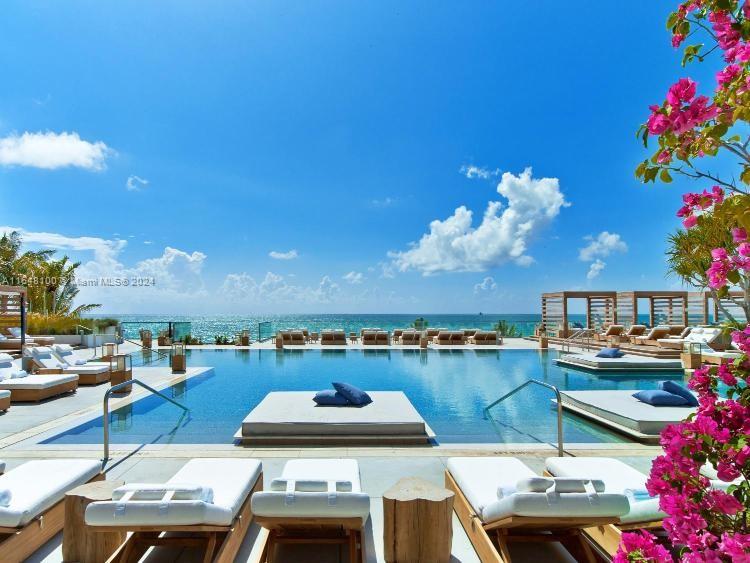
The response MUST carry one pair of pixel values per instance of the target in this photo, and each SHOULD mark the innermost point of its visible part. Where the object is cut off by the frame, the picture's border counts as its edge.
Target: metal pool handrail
(560, 448)
(105, 413)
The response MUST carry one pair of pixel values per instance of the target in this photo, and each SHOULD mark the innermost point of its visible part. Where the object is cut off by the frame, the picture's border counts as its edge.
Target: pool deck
(24, 425)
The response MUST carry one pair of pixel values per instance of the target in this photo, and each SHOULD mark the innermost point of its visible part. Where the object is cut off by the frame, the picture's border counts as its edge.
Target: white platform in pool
(291, 417)
(620, 411)
(627, 362)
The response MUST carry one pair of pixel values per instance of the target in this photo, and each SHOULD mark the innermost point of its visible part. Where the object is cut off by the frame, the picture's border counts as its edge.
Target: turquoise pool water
(449, 388)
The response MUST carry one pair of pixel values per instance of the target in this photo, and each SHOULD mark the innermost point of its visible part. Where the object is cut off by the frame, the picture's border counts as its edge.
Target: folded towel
(151, 491)
(311, 485)
(5, 496)
(5, 358)
(80, 362)
(18, 374)
(575, 485)
(637, 495)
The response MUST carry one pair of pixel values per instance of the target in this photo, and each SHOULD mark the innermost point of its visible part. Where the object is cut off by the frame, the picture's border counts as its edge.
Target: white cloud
(385, 202)
(275, 288)
(487, 285)
(52, 150)
(147, 242)
(289, 255)
(454, 245)
(596, 268)
(175, 269)
(135, 183)
(354, 278)
(472, 172)
(601, 246)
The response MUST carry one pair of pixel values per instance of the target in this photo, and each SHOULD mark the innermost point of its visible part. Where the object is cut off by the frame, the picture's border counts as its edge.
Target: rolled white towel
(5, 496)
(156, 491)
(19, 374)
(637, 495)
(80, 362)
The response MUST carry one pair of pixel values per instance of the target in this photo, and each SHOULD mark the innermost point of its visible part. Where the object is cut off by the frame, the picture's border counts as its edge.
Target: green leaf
(733, 276)
(664, 176)
(745, 176)
(641, 168)
(718, 131)
(672, 20)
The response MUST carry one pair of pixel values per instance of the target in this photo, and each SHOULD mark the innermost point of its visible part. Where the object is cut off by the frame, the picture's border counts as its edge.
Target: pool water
(449, 388)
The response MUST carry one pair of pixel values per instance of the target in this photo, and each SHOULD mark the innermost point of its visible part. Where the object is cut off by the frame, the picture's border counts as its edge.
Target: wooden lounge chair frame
(491, 540)
(37, 395)
(299, 530)
(220, 543)
(17, 544)
(4, 406)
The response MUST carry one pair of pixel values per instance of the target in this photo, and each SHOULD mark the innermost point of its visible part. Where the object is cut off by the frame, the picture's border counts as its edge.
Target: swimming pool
(449, 388)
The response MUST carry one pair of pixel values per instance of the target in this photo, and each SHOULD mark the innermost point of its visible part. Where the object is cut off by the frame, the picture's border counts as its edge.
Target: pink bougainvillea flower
(682, 91)
(657, 123)
(664, 157)
(724, 77)
(744, 249)
(690, 221)
(739, 234)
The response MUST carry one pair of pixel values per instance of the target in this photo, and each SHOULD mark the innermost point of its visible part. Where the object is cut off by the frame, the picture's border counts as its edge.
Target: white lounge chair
(206, 502)
(705, 337)
(15, 332)
(314, 495)
(47, 362)
(499, 500)
(90, 373)
(25, 387)
(36, 510)
(618, 477)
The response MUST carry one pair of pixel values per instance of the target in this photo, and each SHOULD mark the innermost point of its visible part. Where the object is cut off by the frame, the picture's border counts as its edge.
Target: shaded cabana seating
(333, 337)
(485, 338)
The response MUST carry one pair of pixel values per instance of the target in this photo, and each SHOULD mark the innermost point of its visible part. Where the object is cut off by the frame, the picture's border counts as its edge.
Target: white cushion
(38, 485)
(38, 381)
(480, 477)
(230, 479)
(617, 476)
(5, 358)
(15, 332)
(297, 502)
(157, 491)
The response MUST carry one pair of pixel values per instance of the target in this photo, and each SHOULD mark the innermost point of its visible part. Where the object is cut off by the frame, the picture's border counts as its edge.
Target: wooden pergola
(664, 307)
(601, 309)
(13, 309)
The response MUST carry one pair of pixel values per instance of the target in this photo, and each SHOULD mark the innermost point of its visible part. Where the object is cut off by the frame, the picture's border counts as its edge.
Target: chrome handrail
(105, 409)
(560, 449)
(91, 330)
(579, 334)
(144, 349)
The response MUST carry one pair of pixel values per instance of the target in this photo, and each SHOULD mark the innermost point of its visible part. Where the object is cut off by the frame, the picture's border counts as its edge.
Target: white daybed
(620, 411)
(47, 362)
(317, 498)
(291, 417)
(206, 502)
(25, 387)
(35, 512)
(500, 499)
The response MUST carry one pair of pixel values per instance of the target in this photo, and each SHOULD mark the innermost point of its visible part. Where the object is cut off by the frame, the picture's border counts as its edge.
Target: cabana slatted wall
(734, 310)
(664, 307)
(697, 308)
(601, 309)
(12, 309)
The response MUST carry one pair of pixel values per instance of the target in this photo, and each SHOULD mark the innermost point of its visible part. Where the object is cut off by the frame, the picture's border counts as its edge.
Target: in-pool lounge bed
(500, 500)
(33, 387)
(620, 411)
(206, 504)
(618, 477)
(35, 511)
(292, 417)
(314, 501)
(630, 362)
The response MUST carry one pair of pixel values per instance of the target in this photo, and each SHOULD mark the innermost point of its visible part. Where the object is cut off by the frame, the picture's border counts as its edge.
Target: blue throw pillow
(329, 397)
(677, 389)
(660, 398)
(355, 395)
(610, 353)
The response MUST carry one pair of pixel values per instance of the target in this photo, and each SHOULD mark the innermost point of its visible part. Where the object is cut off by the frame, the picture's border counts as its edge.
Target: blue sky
(203, 139)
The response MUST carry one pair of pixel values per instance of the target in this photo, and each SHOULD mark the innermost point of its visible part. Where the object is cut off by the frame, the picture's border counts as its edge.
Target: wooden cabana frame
(664, 307)
(601, 310)
(711, 306)
(13, 303)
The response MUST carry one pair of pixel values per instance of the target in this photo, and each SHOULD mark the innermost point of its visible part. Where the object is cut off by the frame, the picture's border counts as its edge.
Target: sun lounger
(89, 373)
(704, 337)
(297, 338)
(206, 502)
(47, 362)
(612, 330)
(368, 337)
(500, 500)
(635, 330)
(314, 501)
(15, 333)
(431, 333)
(652, 337)
(36, 509)
(723, 357)
(676, 330)
(618, 477)
(25, 387)
(4, 401)
(445, 337)
(9, 343)
(410, 337)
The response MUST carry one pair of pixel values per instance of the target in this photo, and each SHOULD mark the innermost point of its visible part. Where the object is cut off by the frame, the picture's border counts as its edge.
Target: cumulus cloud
(275, 288)
(504, 234)
(288, 255)
(52, 150)
(595, 269)
(135, 183)
(487, 285)
(472, 172)
(601, 246)
(354, 278)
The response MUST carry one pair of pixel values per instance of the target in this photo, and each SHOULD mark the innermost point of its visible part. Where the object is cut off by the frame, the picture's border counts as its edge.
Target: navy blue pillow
(677, 389)
(660, 398)
(330, 397)
(355, 395)
(610, 353)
